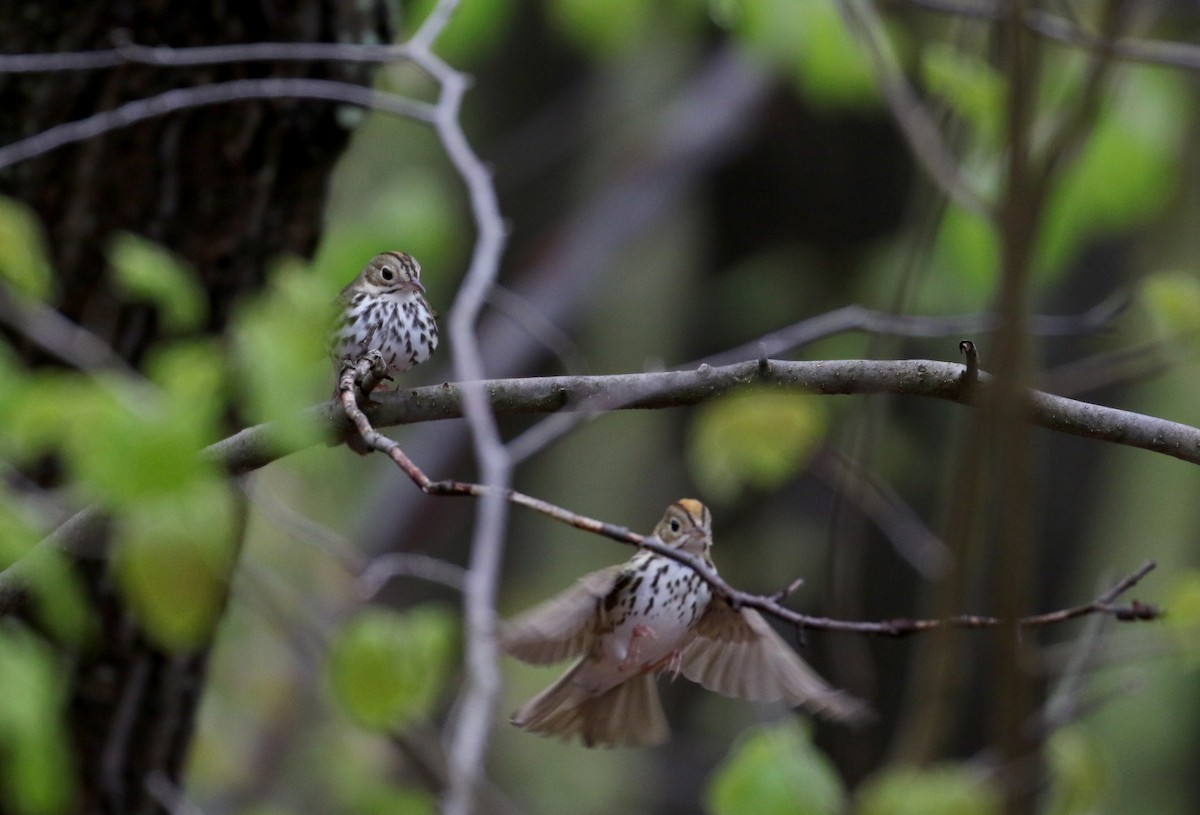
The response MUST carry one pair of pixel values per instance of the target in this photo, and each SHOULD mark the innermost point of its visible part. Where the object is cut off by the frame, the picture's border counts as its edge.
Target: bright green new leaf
(147, 271)
(1173, 301)
(1079, 773)
(281, 342)
(388, 668)
(36, 771)
(945, 789)
(24, 263)
(775, 770)
(174, 559)
(756, 438)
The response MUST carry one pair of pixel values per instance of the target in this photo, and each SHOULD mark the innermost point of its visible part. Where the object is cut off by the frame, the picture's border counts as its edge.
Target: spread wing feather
(738, 654)
(563, 626)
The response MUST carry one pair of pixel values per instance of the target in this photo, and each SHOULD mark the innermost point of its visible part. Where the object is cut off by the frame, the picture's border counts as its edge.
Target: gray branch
(256, 447)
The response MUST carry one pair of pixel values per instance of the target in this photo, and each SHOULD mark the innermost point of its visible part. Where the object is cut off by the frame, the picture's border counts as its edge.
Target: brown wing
(563, 626)
(738, 654)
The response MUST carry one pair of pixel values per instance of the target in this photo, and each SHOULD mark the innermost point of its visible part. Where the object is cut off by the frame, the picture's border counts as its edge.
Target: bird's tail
(628, 715)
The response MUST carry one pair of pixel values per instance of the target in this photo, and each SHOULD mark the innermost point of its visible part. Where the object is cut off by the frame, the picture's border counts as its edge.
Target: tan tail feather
(628, 715)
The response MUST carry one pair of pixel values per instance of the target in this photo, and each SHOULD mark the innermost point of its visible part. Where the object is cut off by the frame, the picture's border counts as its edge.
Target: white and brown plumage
(385, 308)
(627, 623)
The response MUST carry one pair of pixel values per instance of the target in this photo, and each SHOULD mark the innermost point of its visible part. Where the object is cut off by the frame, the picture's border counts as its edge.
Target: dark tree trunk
(228, 188)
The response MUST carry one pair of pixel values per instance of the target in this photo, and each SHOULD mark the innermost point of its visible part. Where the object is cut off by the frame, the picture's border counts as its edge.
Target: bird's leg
(671, 663)
(640, 632)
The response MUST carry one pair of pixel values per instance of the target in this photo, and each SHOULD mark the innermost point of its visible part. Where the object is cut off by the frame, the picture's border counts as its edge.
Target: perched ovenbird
(653, 614)
(384, 309)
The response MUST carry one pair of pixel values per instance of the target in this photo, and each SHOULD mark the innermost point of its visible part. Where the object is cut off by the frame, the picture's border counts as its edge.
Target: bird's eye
(386, 273)
(674, 525)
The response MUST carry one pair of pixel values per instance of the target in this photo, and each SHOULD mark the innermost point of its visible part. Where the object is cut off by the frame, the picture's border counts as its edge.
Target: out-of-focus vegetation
(818, 205)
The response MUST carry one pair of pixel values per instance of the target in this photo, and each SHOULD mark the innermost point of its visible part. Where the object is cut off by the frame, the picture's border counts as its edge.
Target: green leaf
(24, 262)
(388, 668)
(1079, 773)
(281, 343)
(174, 559)
(147, 271)
(775, 770)
(756, 438)
(36, 771)
(945, 789)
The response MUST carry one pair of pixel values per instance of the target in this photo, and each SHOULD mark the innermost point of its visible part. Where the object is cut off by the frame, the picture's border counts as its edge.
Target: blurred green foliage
(1079, 770)
(389, 668)
(281, 347)
(174, 560)
(1183, 621)
(944, 789)
(1126, 171)
(35, 777)
(809, 43)
(1172, 299)
(474, 32)
(970, 85)
(775, 770)
(24, 264)
(147, 271)
(755, 438)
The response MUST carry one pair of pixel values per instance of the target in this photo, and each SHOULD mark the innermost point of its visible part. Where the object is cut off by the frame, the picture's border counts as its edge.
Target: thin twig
(917, 125)
(859, 318)
(220, 93)
(848, 318)
(127, 52)
(1152, 52)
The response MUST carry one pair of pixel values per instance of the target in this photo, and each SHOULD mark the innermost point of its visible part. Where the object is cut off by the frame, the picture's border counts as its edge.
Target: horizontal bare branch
(256, 447)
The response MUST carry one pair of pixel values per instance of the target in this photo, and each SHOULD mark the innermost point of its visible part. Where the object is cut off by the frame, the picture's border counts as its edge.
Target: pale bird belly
(666, 604)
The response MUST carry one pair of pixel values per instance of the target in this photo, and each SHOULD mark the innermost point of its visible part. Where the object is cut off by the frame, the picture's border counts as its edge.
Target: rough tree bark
(228, 188)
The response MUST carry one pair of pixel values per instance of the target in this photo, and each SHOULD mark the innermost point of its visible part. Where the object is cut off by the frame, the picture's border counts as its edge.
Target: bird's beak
(418, 285)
